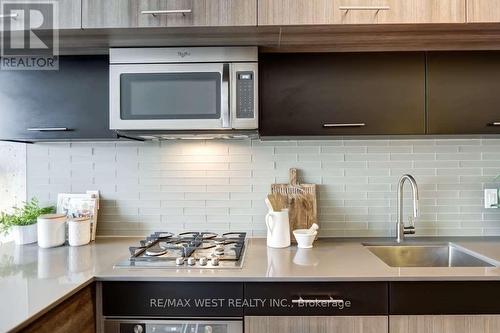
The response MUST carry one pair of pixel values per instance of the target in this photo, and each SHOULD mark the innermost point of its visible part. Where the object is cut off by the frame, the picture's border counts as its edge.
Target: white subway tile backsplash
(220, 185)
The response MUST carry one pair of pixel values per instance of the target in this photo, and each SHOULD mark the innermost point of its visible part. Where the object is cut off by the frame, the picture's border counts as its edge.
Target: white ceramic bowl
(304, 238)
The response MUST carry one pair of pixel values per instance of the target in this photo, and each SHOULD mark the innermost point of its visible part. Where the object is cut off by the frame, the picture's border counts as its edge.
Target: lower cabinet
(76, 314)
(313, 324)
(445, 324)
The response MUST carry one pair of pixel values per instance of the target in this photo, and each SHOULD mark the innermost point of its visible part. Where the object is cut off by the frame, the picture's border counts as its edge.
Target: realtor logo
(30, 38)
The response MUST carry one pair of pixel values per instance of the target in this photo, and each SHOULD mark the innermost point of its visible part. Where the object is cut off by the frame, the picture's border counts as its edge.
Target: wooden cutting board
(302, 202)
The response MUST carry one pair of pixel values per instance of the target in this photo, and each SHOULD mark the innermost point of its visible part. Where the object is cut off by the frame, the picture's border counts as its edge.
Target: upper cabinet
(296, 12)
(399, 11)
(68, 104)
(483, 10)
(299, 12)
(69, 13)
(342, 94)
(168, 13)
(463, 92)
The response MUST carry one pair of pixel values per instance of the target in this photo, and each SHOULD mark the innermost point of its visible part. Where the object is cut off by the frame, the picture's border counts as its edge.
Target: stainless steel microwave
(183, 89)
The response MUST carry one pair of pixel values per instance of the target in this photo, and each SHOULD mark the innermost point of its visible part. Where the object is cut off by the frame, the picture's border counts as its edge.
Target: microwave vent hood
(189, 135)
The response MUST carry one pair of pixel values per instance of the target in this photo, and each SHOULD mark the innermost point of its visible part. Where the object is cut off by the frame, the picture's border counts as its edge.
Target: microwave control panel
(245, 95)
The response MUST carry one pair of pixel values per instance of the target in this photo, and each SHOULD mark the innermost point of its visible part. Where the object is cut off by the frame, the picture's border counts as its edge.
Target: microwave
(183, 89)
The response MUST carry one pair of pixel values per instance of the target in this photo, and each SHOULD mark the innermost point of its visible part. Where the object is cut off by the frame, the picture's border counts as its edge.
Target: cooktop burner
(188, 250)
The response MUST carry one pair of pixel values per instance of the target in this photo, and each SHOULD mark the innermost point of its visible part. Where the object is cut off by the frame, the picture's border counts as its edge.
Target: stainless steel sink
(426, 255)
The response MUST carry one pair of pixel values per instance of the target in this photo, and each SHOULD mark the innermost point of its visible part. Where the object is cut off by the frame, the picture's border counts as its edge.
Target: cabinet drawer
(171, 299)
(444, 298)
(318, 299)
(171, 13)
(286, 324)
(399, 11)
(463, 92)
(342, 94)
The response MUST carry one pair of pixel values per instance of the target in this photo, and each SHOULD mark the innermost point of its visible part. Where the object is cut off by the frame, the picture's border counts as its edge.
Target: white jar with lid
(79, 231)
(51, 230)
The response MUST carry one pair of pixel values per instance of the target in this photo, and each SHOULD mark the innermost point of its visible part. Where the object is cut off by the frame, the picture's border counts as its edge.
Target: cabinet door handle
(317, 301)
(495, 123)
(13, 15)
(345, 125)
(47, 129)
(376, 8)
(167, 12)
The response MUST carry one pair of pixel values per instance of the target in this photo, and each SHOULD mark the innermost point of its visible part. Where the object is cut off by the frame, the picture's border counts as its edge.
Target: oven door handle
(225, 97)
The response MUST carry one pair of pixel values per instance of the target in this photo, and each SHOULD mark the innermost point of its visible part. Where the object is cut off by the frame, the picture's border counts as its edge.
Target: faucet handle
(411, 229)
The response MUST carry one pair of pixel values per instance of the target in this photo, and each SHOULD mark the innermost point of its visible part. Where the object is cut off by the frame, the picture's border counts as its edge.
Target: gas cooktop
(188, 250)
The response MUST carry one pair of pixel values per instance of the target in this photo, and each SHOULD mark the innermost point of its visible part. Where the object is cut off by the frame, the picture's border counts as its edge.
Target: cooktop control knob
(138, 329)
(214, 261)
(191, 261)
(179, 261)
(203, 261)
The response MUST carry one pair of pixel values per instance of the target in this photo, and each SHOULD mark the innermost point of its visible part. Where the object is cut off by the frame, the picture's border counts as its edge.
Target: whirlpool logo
(30, 38)
(184, 54)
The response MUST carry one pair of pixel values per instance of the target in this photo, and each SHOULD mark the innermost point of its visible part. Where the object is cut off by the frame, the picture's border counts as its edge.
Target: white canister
(79, 231)
(51, 230)
(278, 229)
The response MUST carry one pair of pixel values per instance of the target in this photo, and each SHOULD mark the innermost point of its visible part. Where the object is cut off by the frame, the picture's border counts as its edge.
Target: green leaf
(25, 215)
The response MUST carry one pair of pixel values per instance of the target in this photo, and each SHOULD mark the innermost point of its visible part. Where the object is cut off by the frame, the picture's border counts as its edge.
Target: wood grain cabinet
(76, 314)
(168, 13)
(314, 324)
(399, 11)
(302, 12)
(69, 12)
(483, 11)
(342, 94)
(445, 324)
(463, 92)
(296, 12)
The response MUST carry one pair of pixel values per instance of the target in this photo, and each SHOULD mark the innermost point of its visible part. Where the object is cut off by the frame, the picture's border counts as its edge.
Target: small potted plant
(22, 221)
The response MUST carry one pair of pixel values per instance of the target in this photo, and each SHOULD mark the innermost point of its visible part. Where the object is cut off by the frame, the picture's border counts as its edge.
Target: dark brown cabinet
(66, 104)
(342, 94)
(463, 92)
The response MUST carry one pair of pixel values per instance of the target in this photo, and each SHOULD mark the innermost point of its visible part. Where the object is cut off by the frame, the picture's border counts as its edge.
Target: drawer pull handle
(496, 123)
(47, 129)
(376, 8)
(317, 301)
(344, 125)
(167, 12)
(12, 15)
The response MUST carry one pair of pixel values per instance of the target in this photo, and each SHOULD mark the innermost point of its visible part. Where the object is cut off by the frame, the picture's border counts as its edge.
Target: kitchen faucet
(401, 230)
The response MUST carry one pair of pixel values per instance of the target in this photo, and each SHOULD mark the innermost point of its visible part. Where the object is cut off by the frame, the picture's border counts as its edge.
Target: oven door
(173, 326)
(169, 96)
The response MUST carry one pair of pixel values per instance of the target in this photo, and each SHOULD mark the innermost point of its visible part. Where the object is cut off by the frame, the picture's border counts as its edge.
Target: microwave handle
(225, 97)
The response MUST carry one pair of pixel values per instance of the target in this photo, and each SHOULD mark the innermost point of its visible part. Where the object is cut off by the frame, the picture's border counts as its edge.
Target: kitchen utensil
(301, 199)
(269, 204)
(51, 230)
(278, 201)
(304, 238)
(313, 228)
(278, 229)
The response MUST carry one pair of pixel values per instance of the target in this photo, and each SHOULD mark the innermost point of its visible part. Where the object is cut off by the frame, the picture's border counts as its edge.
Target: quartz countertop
(34, 280)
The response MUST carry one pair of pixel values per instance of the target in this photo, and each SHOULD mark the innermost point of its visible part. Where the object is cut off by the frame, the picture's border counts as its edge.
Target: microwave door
(169, 96)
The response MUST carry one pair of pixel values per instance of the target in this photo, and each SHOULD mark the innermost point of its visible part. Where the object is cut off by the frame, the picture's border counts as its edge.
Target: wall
(220, 185)
(12, 174)
(12, 177)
